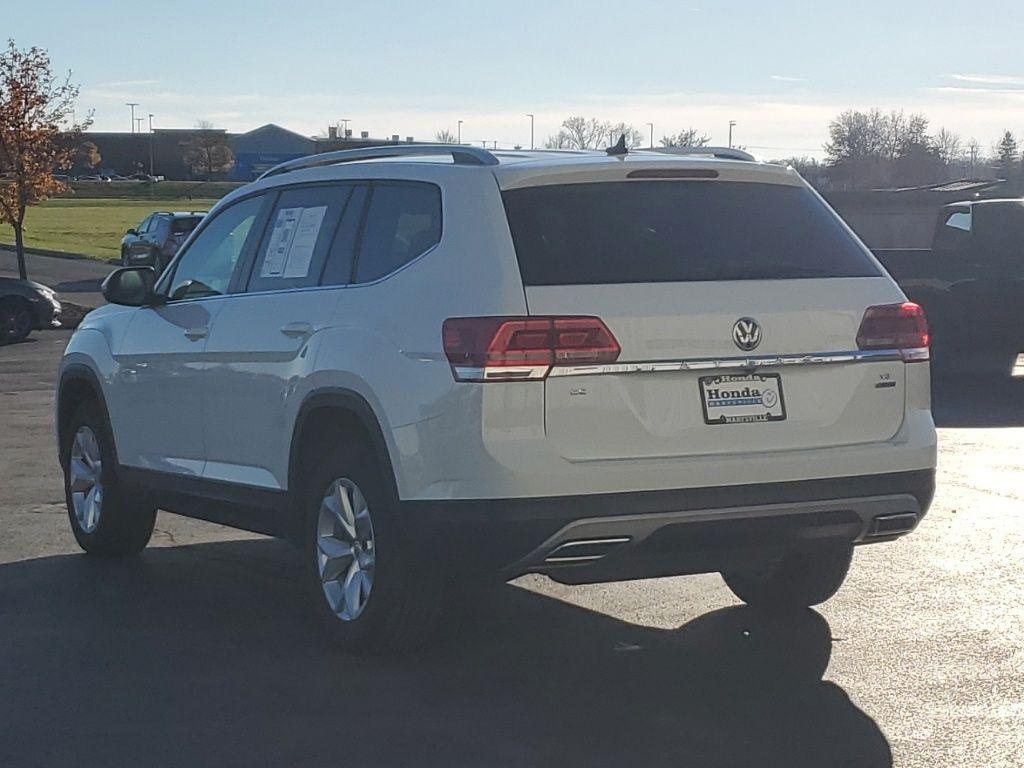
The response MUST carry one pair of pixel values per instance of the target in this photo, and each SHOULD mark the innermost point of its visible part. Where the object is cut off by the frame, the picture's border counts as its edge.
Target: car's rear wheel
(16, 320)
(367, 577)
(798, 580)
(105, 518)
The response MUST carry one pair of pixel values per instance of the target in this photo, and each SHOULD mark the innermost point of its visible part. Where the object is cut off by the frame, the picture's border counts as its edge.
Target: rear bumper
(607, 537)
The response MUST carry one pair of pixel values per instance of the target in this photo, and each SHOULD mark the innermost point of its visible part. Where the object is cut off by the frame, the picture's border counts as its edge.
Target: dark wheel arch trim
(81, 373)
(341, 399)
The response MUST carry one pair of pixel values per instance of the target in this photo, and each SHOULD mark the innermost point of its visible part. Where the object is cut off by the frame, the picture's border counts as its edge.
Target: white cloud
(785, 79)
(990, 79)
(126, 83)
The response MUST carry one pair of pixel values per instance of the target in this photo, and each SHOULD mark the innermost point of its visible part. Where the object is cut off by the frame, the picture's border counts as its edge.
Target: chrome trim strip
(592, 542)
(731, 363)
(500, 372)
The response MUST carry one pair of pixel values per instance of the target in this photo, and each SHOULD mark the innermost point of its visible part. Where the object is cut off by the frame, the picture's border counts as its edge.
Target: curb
(60, 254)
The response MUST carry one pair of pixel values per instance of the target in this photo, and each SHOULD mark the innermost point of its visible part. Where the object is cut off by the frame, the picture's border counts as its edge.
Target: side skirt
(258, 510)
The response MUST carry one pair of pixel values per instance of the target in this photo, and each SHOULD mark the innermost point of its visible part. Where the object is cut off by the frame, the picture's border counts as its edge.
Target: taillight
(895, 326)
(524, 348)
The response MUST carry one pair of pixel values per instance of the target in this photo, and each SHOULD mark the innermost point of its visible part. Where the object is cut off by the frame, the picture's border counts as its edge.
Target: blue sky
(780, 69)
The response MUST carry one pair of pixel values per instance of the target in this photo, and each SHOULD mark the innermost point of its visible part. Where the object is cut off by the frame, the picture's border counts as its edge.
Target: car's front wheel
(105, 518)
(367, 578)
(16, 320)
(798, 580)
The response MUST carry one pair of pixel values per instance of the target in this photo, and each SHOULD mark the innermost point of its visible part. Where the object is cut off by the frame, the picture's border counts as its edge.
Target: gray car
(157, 238)
(26, 306)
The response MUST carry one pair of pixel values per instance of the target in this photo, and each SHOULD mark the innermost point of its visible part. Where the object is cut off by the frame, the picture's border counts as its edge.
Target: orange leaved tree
(33, 105)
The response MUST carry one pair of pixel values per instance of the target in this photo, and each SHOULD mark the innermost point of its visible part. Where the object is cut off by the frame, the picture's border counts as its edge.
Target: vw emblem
(746, 333)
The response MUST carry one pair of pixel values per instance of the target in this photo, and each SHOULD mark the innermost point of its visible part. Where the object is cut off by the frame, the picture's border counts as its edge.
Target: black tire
(798, 580)
(16, 320)
(124, 524)
(402, 606)
(125, 261)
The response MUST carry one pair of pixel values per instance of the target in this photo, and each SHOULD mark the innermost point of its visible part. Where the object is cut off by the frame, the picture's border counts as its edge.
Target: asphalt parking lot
(200, 652)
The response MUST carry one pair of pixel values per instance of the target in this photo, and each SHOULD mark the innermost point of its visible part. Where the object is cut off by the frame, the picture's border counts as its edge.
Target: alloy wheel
(86, 470)
(345, 549)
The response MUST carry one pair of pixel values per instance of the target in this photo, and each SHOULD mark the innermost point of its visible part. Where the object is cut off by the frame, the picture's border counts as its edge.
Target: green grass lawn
(91, 226)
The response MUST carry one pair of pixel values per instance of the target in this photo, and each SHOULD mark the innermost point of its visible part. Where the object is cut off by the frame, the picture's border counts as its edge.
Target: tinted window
(184, 225)
(402, 222)
(297, 238)
(208, 265)
(144, 225)
(673, 231)
(338, 269)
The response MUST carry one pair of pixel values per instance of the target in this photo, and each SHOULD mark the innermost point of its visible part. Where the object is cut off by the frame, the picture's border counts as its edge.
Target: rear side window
(677, 231)
(298, 237)
(402, 222)
(184, 225)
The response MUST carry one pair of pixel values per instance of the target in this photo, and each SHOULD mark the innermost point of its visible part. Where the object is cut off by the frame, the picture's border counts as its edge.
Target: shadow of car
(202, 654)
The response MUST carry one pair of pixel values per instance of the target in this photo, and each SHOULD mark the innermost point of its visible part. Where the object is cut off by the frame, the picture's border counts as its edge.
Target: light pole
(344, 127)
(732, 124)
(133, 105)
(138, 124)
(652, 134)
(458, 139)
(531, 130)
(150, 143)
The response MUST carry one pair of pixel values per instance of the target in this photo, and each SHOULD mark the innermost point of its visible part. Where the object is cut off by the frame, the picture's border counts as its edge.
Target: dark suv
(155, 241)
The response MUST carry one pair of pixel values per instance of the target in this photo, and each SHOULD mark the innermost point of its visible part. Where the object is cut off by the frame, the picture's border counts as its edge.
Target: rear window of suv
(673, 231)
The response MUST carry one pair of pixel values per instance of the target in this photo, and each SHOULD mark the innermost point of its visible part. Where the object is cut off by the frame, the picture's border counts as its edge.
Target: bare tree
(578, 132)
(948, 145)
(634, 138)
(867, 149)
(446, 136)
(688, 137)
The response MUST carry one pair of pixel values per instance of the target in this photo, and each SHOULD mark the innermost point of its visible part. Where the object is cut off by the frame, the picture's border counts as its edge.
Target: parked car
(155, 241)
(94, 177)
(142, 177)
(454, 364)
(26, 306)
(971, 284)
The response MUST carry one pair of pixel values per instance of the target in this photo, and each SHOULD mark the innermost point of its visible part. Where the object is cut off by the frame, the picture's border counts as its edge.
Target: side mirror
(132, 231)
(131, 286)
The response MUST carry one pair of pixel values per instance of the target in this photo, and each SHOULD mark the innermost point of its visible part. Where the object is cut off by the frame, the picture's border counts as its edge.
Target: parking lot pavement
(200, 651)
(76, 280)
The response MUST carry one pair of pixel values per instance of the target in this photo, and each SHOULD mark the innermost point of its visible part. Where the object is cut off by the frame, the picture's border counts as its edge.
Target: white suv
(423, 362)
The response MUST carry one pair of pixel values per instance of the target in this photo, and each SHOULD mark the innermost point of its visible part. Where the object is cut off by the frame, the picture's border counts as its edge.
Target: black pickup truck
(971, 285)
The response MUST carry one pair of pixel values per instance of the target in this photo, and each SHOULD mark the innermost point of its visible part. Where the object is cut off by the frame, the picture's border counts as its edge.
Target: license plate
(742, 398)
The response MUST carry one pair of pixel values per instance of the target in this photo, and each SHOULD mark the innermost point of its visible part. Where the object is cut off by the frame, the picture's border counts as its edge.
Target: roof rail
(723, 153)
(460, 154)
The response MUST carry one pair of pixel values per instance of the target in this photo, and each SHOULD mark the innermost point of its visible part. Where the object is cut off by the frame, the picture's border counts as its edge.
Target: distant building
(160, 152)
(264, 147)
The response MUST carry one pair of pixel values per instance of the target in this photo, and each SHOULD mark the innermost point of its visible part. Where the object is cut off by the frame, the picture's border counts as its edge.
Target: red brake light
(895, 326)
(523, 348)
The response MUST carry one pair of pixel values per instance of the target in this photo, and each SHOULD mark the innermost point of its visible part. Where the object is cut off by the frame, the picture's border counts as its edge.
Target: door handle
(296, 330)
(195, 334)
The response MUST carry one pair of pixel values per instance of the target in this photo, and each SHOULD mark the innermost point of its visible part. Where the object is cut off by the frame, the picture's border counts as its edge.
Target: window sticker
(290, 250)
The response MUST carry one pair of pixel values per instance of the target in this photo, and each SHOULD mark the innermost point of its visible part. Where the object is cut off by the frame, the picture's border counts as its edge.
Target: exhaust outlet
(889, 525)
(584, 550)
